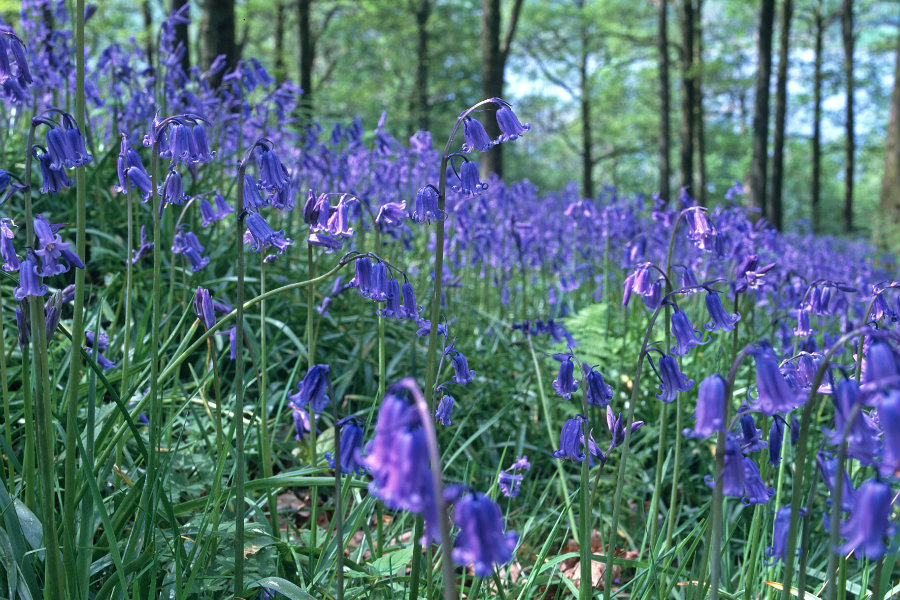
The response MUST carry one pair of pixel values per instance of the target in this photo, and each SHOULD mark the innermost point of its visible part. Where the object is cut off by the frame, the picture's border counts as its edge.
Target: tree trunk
(420, 108)
(775, 207)
(817, 120)
(148, 31)
(279, 43)
(587, 137)
(700, 139)
(307, 56)
(494, 53)
(847, 35)
(665, 132)
(761, 108)
(217, 30)
(687, 94)
(181, 36)
(889, 199)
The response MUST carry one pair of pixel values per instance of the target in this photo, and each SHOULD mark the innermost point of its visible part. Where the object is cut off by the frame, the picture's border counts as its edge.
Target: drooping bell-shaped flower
(734, 478)
(391, 214)
(172, 191)
(273, 175)
(461, 372)
(52, 249)
(476, 136)
(508, 122)
(7, 249)
(351, 447)
(470, 183)
(755, 490)
(571, 441)
(252, 198)
(828, 469)
(260, 235)
(565, 383)
(870, 521)
(773, 393)
(709, 417)
(54, 180)
(100, 342)
(721, 319)
(616, 425)
(862, 437)
(672, 380)
(776, 439)
(409, 310)
(203, 307)
(362, 280)
(880, 366)
(889, 418)
(803, 328)
(427, 206)
(313, 390)
(29, 282)
(509, 483)
(597, 391)
(392, 306)
(445, 407)
(380, 277)
(686, 337)
(481, 541)
(778, 550)
(751, 436)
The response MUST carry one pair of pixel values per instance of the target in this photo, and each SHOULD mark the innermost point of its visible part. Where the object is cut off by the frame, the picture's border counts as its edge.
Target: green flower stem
(339, 504)
(801, 458)
(263, 410)
(30, 434)
(310, 355)
(129, 275)
(7, 417)
(239, 466)
(586, 516)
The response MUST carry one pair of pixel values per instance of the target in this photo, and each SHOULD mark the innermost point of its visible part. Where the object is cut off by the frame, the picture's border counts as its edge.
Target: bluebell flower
(776, 439)
(311, 209)
(572, 444)
(653, 299)
(23, 329)
(100, 342)
(749, 273)
(338, 224)
(755, 491)
(509, 483)
(53, 314)
(733, 471)
(180, 143)
(53, 249)
(686, 337)
(862, 439)
(223, 207)
(597, 391)
(616, 425)
(186, 243)
(53, 179)
(721, 319)
(565, 383)
(461, 372)
(640, 281)
(208, 213)
(828, 470)
(889, 418)
(200, 152)
(470, 183)
(688, 279)
(392, 309)
(252, 198)
(302, 424)
(672, 380)
(66, 147)
(131, 171)
(104, 362)
(481, 540)
(313, 390)
(445, 406)
(29, 282)
(751, 436)
(870, 521)
(351, 447)
(508, 122)
(427, 206)
(362, 280)
(880, 366)
(520, 464)
(709, 414)
(260, 235)
(701, 230)
(283, 198)
(778, 550)
(773, 394)
(203, 307)
(272, 173)
(391, 213)
(803, 328)
(144, 248)
(380, 277)
(476, 136)
(11, 43)
(172, 191)
(324, 240)
(7, 249)
(409, 310)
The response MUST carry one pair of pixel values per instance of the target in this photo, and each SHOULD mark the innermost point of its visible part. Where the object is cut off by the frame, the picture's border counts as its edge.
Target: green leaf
(390, 563)
(282, 586)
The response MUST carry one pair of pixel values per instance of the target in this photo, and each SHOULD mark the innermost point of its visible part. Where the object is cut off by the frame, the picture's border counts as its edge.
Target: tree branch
(510, 30)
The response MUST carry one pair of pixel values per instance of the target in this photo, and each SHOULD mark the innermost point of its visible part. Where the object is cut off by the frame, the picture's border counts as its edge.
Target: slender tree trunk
(280, 14)
(181, 36)
(775, 207)
(665, 129)
(687, 94)
(847, 35)
(700, 138)
(217, 30)
(587, 137)
(494, 53)
(889, 199)
(817, 120)
(148, 30)
(420, 107)
(761, 108)
(307, 49)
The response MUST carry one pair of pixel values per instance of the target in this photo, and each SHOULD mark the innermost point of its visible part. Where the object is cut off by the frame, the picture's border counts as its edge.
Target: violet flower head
(686, 337)
(260, 235)
(22, 327)
(750, 439)
(880, 366)
(392, 309)
(778, 550)
(322, 240)
(53, 249)
(470, 183)
(54, 180)
(672, 380)
(172, 191)
(187, 244)
(776, 439)
(509, 483)
(616, 425)
(351, 447)
(597, 391)
(461, 372)
(66, 146)
(828, 469)
(427, 206)
(733, 471)
(640, 281)
(313, 390)
(721, 319)
(100, 342)
(869, 522)
(7, 249)
(10, 43)
(53, 314)
(302, 423)
(362, 280)
(773, 393)
(565, 383)
(409, 310)
(203, 307)
(144, 248)
(508, 122)
(803, 328)
(391, 214)
(709, 415)
(755, 490)
(481, 540)
(476, 136)
(701, 231)
(442, 413)
(889, 419)
(252, 198)
(29, 282)
(862, 437)
(571, 442)
(273, 175)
